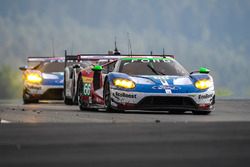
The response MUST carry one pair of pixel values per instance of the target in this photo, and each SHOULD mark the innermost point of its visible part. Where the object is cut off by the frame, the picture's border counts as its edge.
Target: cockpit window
(49, 67)
(152, 67)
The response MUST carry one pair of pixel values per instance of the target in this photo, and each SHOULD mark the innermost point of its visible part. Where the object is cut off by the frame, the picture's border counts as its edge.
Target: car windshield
(49, 67)
(147, 66)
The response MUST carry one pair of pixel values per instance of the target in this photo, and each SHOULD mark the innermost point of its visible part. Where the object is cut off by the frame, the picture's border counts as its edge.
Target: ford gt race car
(43, 79)
(146, 83)
(74, 64)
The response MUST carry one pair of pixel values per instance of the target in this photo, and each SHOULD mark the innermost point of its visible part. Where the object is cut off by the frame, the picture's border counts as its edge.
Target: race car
(146, 82)
(43, 79)
(73, 65)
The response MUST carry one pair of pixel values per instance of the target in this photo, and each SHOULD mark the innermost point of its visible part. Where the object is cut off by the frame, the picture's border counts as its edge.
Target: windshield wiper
(155, 71)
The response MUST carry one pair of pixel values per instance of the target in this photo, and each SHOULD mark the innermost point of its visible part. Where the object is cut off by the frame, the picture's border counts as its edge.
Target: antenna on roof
(163, 52)
(116, 51)
(53, 47)
(129, 44)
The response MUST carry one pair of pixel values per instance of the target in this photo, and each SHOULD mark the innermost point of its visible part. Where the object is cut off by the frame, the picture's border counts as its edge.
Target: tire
(74, 92)
(107, 98)
(67, 101)
(201, 112)
(79, 89)
(28, 100)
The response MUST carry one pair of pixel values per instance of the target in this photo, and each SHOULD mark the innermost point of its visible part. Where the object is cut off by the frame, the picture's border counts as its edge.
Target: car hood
(56, 78)
(162, 83)
(166, 84)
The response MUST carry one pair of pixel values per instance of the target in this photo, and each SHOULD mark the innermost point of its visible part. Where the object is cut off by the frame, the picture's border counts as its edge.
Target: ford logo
(166, 87)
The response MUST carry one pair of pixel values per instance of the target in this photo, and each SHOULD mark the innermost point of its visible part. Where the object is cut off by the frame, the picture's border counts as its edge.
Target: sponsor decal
(87, 79)
(205, 96)
(166, 87)
(132, 96)
(147, 60)
(161, 77)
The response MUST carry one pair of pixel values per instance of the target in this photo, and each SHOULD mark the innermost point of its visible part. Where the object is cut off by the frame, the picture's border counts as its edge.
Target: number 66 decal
(86, 89)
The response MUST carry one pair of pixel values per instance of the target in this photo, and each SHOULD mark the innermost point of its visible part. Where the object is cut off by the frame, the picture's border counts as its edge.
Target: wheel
(201, 112)
(107, 98)
(74, 91)
(27, 100)
(67, 101)
(78, 94)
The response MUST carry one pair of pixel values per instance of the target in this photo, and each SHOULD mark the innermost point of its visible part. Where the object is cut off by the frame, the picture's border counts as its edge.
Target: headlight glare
(203, 84)
(124, 83)
(34, 78)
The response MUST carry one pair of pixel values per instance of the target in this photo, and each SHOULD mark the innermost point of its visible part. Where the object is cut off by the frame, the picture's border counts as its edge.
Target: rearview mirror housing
(23, 68)
(204, 70)
(97, 68)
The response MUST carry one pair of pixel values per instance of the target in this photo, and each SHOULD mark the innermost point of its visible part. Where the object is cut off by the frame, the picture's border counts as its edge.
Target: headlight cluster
(34, 78)
(124, 83)
(203, 84)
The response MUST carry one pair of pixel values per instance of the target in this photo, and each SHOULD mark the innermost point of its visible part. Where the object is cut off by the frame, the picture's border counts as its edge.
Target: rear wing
(34, 61)
(92, 57)
(89, 57)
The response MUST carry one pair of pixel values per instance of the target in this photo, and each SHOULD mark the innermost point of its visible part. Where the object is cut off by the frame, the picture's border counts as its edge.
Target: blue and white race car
(43, 79)
(146, 83)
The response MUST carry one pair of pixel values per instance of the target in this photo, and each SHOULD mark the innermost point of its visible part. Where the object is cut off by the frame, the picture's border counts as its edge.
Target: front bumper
(48, 92)
(123, 100)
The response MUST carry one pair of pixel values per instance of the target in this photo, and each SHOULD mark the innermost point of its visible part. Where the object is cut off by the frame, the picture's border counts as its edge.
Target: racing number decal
(86, 89)
(87, 81)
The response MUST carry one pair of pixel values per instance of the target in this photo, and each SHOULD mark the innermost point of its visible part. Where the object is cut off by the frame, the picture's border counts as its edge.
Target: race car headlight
(203, 84)
(124, 83)
(34, 78)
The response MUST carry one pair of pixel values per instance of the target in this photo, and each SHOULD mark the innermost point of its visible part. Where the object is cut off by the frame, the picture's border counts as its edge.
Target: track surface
(68, 137)
(57, 112)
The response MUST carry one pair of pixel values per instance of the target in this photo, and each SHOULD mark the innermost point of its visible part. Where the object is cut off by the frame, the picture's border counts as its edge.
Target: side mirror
(23, 68)
(204, 70)
(97, 68)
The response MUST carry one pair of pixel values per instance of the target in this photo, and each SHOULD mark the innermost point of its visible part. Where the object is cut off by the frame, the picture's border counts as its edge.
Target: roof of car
(147, 58)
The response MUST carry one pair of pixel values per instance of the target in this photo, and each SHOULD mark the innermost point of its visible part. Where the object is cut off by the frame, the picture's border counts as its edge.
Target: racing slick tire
(75, 92)
(201, 112)
(67, 100)
(27, 100)
(79, 89)
(107, 98)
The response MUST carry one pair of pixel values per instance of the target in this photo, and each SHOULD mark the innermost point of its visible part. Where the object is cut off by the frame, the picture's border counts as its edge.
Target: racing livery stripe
(165, 83)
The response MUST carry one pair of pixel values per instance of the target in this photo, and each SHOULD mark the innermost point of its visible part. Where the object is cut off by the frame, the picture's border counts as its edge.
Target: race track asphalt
(51, 134)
